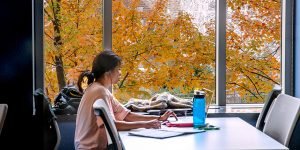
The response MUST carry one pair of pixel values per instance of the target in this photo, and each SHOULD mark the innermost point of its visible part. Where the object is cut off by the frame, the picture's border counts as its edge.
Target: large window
(252, 49)
(73, 36)
(232, 48)
(166, 45)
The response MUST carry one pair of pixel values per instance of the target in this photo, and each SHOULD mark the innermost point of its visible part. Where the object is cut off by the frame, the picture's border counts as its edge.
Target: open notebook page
(164, 132)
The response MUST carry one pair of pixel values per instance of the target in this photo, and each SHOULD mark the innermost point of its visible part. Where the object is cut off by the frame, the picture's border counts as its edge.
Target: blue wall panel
(297, 49)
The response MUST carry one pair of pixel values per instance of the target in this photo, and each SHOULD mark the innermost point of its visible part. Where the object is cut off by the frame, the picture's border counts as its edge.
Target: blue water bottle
(199, 113)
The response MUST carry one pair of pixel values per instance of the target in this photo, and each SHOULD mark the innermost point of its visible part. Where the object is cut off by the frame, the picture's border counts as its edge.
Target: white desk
(234, 133)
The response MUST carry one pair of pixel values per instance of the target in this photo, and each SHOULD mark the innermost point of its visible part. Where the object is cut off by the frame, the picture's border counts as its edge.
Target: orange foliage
(161, 52)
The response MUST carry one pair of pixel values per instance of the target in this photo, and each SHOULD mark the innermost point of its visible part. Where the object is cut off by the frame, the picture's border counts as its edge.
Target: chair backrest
(269, 100)
(45, 121)
(3, 112)
(282, 118)
(101, 109)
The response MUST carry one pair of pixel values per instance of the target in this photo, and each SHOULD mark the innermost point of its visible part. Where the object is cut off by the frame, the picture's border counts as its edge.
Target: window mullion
(107, 24)
(287, 46)
(38, 45)
(221, 52)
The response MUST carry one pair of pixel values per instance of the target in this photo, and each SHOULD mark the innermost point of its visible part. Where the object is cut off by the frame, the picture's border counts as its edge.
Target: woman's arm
(131, 117)
(138, 117)
(124, 125)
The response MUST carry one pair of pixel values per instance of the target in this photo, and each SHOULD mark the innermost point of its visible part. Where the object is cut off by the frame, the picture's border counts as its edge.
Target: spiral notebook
(164, 133)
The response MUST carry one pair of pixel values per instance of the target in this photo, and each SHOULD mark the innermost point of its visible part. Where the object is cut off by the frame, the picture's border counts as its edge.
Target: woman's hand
(166, 115)
(152, 124)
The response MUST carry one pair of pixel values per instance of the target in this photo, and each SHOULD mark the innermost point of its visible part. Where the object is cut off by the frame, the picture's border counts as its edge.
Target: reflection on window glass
(73, 36)
(253, 49)
(166, 45)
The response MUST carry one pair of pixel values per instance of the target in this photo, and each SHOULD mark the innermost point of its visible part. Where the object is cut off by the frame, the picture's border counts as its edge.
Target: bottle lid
(199, 92)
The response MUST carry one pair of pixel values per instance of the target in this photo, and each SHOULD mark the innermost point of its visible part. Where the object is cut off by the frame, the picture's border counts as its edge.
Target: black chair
(45, 121)
(269, 100)
(295, 137)
(3, 112)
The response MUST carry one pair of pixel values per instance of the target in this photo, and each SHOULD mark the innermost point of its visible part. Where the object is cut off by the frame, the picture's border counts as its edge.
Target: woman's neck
(104, 82)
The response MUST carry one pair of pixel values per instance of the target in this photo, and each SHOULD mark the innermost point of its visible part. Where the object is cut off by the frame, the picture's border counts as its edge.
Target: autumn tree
(163, 57)
(143, 39)
(73, 35)
(161, 51)
(253, 47)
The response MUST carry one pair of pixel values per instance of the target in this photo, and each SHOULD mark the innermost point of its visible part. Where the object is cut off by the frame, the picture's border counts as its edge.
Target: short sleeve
(120, 112)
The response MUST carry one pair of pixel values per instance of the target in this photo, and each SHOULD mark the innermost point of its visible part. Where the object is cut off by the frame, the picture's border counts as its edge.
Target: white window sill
(236, 108)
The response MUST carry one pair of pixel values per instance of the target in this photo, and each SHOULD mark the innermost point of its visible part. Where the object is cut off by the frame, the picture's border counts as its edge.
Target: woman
(90, 131)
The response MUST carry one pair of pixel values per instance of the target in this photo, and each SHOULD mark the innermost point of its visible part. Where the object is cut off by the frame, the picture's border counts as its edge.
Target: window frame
(287, 63)
(107, 24)
(38, 44)
(221, 52)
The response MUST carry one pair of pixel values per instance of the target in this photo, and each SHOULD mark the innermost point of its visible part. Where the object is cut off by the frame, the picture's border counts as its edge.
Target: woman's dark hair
(105, 61)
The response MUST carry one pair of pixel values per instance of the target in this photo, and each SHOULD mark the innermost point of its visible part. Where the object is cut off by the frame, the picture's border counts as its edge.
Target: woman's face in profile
(115, 75)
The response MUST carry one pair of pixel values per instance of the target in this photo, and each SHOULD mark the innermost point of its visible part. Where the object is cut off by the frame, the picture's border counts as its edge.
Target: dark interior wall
(16, 75)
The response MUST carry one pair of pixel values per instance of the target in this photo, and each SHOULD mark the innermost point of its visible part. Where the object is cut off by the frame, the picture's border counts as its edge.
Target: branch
(127, 74)
(261, 75)
(136, 39)
(271, 53)
(54, 16)
(252, 84)
(243, 88)
(84, 6)
(47, 13)
(52, 58)
(50, 64)
(148, 62)
(49, 36)
(71, 52)
(123, 80)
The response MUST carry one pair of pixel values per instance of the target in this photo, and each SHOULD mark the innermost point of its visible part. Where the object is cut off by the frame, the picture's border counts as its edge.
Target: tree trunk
(60, 73)
(59, 65)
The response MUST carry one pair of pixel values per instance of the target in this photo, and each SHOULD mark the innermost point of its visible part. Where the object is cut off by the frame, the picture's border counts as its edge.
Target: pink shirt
(89, 133)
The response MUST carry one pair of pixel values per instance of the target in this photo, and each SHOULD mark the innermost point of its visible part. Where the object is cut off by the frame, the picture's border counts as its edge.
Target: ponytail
(90, 77)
